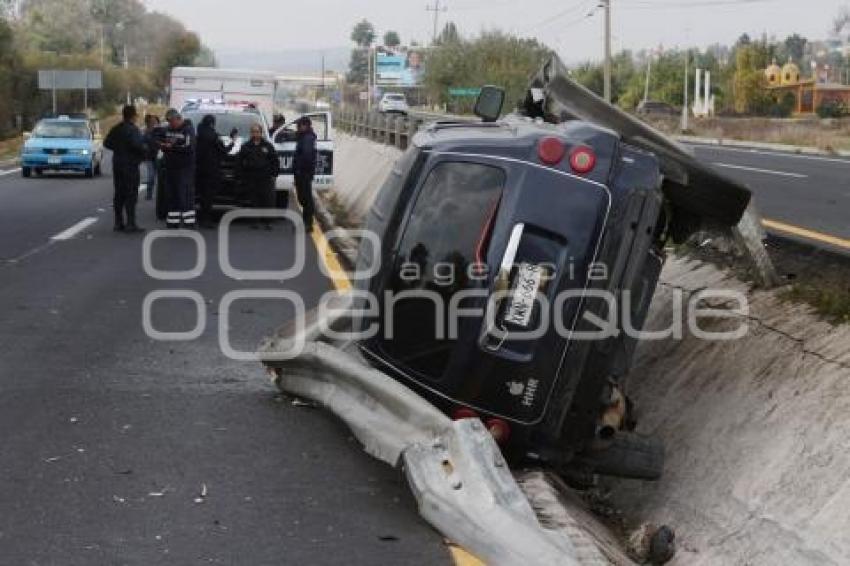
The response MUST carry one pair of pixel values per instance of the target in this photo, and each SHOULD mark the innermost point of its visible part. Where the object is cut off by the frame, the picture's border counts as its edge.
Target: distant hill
(287, 61)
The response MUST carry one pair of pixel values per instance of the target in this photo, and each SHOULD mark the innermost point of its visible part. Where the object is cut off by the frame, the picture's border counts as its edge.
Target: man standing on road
(150, 164)
(128, 151)
(304, 168)
(178, 147)
(211, 150)
(257, 167)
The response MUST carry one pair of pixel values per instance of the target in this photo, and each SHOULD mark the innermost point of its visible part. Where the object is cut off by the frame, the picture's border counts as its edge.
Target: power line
(578, 6)
(650, 4)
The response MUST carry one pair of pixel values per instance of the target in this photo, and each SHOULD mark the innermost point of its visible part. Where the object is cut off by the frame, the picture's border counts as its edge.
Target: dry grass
(829, 135)
(10, 148)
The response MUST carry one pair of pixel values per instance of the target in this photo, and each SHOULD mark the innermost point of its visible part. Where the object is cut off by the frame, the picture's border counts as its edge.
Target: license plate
(521, 307)
(54, 160)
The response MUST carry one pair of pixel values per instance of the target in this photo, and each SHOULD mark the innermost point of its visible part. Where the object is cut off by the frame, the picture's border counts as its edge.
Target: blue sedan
(61, 144)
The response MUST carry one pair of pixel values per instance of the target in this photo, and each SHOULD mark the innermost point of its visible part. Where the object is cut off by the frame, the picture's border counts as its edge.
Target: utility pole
(436, 8)
(606, 4)
(323, 75)
(648, 72)
(685, 107)
(369, 80)
(127, 66)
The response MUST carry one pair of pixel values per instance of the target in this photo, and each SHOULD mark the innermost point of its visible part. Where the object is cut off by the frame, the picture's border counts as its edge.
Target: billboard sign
(85, 79)
(404, 68)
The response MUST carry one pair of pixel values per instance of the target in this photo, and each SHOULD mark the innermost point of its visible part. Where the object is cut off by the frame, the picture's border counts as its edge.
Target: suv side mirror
(488, 107)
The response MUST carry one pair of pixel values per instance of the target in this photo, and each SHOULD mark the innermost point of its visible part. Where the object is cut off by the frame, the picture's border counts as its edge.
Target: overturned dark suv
(506, 244)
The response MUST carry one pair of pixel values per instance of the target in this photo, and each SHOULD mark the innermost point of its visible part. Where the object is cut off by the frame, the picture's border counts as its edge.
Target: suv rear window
(438, 246)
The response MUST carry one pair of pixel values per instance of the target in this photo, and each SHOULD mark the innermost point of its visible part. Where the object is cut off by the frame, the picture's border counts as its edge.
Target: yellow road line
(806, 233)
(462, 557)
(338, 276)
(342, 283)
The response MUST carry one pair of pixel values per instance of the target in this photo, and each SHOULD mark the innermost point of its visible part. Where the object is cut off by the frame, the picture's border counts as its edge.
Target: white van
(193, 84)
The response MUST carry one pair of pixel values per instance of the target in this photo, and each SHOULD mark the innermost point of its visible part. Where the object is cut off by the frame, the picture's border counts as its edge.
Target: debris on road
(652, 544)
(203, 495)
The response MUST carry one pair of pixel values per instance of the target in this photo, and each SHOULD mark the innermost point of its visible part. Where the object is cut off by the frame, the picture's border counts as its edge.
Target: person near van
(278, 121)
(304, 169)
(257, 168)
(211, 150)
(152, 125)
(178, 147)
(128, 151)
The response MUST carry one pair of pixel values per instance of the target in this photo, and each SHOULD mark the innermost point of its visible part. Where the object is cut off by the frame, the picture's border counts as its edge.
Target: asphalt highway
(806, 197)
(121, 449)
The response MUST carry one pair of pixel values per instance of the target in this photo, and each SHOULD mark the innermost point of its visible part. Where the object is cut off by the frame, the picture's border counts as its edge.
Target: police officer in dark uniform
(304, 168)
(278, 121)
(128, 151)
(178, 147)
(257, 168)
(210, 152)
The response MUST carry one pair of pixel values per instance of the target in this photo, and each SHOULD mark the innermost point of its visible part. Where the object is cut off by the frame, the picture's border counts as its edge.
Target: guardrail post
(412, 127)
(397, 131)
(385, 130)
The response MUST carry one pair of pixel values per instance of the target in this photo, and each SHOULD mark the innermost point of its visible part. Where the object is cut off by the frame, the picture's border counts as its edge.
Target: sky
(574, 28)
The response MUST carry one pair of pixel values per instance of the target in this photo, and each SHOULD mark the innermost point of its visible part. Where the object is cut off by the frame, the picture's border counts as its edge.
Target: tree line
(87, 34)
(494, 57)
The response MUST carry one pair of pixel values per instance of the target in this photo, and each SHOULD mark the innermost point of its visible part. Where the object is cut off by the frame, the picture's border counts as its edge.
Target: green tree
(182, 51)
(795, 47)
(363, 33)
(8, 58)
(392, 39)
(748, 81)
(450, 34)
(493, 58)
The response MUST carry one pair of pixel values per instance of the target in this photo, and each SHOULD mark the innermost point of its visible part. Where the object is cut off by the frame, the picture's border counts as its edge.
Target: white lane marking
(10, 171)
(766, 171)
(75, 229)
(770, 153)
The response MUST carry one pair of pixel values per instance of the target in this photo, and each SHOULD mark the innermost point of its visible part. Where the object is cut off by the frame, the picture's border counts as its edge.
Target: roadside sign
(56, 79)
(464, 91)
(49, 79)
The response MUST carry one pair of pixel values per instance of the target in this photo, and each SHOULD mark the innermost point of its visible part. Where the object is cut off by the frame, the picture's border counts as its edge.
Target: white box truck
(229, 85)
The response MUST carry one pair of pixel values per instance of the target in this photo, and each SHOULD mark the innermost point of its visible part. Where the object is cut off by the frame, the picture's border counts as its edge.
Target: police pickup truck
(240, 116)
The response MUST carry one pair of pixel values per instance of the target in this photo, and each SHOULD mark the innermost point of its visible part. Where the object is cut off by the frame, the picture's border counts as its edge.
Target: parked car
(393, 102)
(239, 116)
(653, 108)
(62, 144)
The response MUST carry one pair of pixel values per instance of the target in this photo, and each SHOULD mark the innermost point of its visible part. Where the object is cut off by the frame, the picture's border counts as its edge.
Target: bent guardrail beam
(461, 482)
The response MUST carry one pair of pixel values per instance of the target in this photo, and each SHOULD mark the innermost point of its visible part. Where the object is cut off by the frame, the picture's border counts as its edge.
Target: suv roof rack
(449, 124)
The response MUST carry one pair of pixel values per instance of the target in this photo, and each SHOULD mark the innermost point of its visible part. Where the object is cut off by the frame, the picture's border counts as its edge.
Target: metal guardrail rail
(386, 128)
(389, 129)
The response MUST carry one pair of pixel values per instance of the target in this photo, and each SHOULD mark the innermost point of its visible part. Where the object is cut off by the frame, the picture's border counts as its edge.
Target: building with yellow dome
(790, 74)
(773, 74)
(809, 94)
